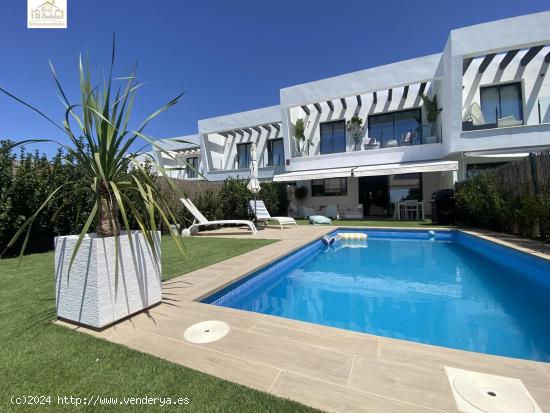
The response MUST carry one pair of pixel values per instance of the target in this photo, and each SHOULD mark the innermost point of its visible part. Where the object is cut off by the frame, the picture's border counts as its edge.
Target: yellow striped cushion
(352, 236)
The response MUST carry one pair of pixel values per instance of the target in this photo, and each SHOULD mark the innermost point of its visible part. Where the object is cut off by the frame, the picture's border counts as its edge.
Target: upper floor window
(396, 128)
(329, 187)
(243, 155)
(192, 167)
(275, 152)
(333, 137)
(502, 104)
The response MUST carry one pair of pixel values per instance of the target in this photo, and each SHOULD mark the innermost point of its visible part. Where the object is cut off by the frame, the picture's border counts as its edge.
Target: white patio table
(405, 209)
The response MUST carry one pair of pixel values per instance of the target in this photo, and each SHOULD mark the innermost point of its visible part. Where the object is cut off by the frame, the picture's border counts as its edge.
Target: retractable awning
(405, 168)
(497, 155)
(313, 174)
(506, 153)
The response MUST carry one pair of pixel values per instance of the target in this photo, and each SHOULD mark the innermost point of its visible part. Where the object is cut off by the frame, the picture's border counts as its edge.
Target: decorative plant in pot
(105, 276)
(432, 111)
(355, 129)
(299, 135)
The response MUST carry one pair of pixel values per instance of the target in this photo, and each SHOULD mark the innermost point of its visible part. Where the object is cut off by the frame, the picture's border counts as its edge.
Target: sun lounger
(201, 221)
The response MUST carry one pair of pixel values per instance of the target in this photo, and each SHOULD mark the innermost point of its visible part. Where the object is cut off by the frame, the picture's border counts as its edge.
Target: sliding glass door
(501, 101)
(396, 128)
(243, 155)
(333, 137)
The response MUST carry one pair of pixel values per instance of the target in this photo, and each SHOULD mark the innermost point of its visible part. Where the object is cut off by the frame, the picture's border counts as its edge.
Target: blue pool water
(454, 290)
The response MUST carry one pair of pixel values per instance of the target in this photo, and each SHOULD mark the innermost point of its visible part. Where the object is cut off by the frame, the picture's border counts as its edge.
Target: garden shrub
(26, 180)
(208, 202)
(480, 202)
(483, 202)
(231, 201)
(235, 197)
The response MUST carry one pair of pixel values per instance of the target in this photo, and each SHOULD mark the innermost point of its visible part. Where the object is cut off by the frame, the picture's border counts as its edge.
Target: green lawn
(203, 251)
(41, 359)
(376, 223)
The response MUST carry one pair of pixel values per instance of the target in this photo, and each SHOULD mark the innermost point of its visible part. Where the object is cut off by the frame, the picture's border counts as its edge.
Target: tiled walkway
(327, 368)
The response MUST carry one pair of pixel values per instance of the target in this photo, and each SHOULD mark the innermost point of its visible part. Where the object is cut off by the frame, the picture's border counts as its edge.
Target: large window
(405, 187)
(329, 187)
(333, 137)
(243, 155)
(275, 152)
(192, 167)
(502, 101)
(396, 128)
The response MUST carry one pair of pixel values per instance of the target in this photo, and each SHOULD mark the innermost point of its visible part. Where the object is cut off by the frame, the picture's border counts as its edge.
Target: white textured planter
(88, 295)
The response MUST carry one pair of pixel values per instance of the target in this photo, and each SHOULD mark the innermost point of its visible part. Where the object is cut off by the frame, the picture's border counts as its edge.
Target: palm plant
(355, 128)
(430, 106)
(100, 144)
(299, 130)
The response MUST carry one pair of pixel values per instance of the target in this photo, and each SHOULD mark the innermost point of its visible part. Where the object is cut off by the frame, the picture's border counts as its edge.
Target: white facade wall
(367, 107)
(534, 86)
(221, 135)
(175, 153)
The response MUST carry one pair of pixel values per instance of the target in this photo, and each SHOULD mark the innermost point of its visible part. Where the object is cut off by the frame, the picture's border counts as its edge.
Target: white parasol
(253, 185)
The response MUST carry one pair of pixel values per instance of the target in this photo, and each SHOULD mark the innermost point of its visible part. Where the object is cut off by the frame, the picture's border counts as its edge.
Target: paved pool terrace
(323, 367)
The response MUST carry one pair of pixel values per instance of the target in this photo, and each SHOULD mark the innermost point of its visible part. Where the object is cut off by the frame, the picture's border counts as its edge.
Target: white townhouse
(181, 157)
(492, 91)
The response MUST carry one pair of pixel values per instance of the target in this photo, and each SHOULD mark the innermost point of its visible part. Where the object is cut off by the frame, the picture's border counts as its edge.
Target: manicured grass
(41, 359)
(203, 251)
(376, 223)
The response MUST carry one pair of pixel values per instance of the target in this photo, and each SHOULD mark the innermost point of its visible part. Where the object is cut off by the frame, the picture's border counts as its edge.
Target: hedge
(27, 178)
(514, 198)
(231, 201)
(26, 181)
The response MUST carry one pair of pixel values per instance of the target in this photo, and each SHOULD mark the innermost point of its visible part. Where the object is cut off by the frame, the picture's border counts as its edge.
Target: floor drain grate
(206, 332)
(476, 392)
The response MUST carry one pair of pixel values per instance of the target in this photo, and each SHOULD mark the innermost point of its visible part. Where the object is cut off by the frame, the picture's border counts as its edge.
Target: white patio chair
(262, 214)
(200, 219)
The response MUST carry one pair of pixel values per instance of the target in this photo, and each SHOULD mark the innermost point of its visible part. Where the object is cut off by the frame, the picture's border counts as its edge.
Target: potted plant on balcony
(355, 129)
(432, 112)
(299, 135)
(104, 276)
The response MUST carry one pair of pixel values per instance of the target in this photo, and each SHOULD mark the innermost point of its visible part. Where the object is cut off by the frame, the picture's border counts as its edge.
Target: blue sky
(228, 56)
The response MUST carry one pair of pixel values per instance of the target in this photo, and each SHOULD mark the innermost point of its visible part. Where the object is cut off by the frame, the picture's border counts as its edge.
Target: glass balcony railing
(480, 118)
(422, 135)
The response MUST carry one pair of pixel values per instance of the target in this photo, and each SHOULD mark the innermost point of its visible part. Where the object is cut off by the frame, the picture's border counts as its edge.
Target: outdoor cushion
(509, 121)
(319, 220)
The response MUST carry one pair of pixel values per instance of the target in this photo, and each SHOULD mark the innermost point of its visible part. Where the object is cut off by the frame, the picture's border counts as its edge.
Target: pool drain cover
(478, 392)
(206, 332)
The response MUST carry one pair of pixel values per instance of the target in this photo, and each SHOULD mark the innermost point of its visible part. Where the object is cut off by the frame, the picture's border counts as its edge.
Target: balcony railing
(424, 134)
(477, 121)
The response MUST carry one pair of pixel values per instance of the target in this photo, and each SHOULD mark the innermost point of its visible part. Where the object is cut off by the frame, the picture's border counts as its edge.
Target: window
(275, 152)
(501, 101)
(396, 128)
(475, 169)
(243, 155)
(405, 187)
(333, 137)
(329, 187)
(192, 167)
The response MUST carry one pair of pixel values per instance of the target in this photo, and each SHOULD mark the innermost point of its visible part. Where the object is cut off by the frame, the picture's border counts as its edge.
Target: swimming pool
(452, 289)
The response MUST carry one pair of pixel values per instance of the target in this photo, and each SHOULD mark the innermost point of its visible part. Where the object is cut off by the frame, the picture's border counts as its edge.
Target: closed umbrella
(253, 185)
